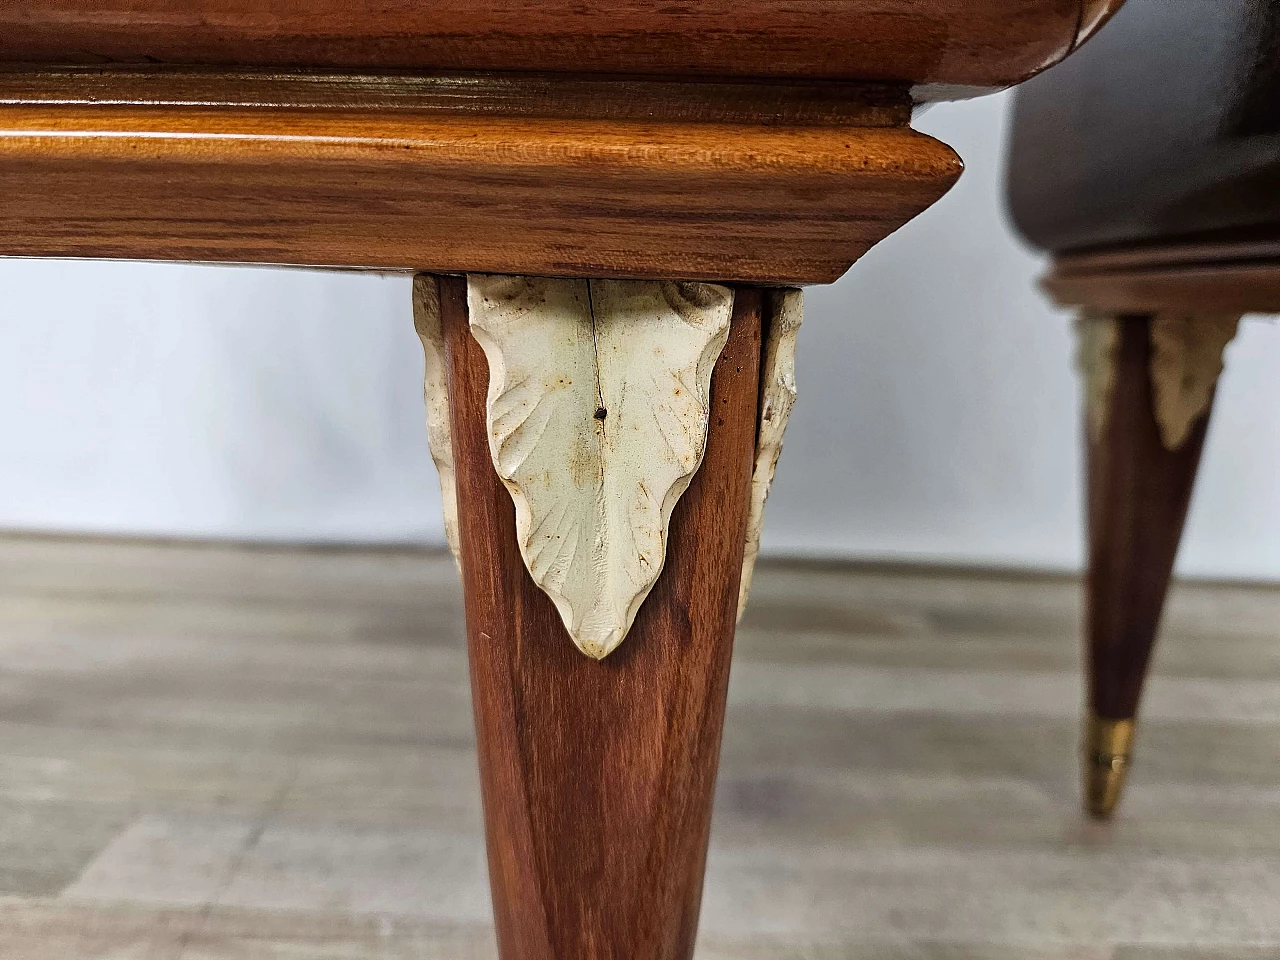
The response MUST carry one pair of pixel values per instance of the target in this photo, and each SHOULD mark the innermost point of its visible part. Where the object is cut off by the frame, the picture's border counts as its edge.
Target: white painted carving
(1186, 361)
(778, 395)
(1097, 353)
(598, 406)
(426, 320)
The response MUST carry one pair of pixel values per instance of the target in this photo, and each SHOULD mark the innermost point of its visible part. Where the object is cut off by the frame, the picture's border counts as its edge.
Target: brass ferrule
(1108, 752)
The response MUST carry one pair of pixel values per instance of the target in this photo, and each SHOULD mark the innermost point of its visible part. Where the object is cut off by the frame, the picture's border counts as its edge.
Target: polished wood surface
(385, 176)
(1240, 249)
(1141, 281)
(1138, 494)
(969, 42)
(531, 95)
(597, 776)
(1167, 125)
(1094, 15)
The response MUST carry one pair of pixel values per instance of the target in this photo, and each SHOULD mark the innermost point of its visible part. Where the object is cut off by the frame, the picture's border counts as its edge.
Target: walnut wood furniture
(608, 206)
(1150, 167)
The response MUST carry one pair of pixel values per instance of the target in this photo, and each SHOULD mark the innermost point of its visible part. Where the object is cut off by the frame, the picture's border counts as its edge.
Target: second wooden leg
(1139, 487)
(598, 775)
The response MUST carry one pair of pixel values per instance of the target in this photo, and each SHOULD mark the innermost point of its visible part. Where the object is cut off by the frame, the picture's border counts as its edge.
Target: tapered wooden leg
(1145, 429)
(597, 775)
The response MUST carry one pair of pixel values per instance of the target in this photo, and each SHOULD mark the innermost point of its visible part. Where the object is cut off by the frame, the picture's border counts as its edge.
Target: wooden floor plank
(219, 753)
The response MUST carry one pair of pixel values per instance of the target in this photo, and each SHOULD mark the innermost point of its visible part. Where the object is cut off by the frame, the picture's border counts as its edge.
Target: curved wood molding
(422, 188)
(1190, 278)
(426, 320)
(1094, 15)
(597, 412)
(505, 94)
(784, 312)
(1186, 361)
(974, 42)
(1097, 353)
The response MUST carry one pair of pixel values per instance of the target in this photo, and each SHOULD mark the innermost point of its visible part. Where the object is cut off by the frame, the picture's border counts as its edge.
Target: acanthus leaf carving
(597, 412)
(1097, 356)
(1186, 361)
(426, 321)
(778, 395)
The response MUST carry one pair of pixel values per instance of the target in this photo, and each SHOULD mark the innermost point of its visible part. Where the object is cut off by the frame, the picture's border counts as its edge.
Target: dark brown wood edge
(399, 190)
(706, 100)
(1138, 495)
(983, 43)
(597, 776)
(1094, 15)
(1244, 286)
(1242, 249)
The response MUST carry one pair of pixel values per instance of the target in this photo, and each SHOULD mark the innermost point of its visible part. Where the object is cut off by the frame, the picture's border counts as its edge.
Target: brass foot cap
(1108, 746)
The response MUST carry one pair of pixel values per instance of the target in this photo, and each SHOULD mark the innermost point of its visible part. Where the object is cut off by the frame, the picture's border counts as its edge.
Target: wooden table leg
(597, 775)
(1150, 391)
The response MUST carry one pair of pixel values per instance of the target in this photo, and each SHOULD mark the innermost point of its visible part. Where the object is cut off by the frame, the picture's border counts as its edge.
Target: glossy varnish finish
(1242, 286)
(597, 776)
(1139, 492)
(380, 176)
(1094, 15)
(531, 95)
(1165, 126)
(1237, 275)
(1241, 249)
(976, 42)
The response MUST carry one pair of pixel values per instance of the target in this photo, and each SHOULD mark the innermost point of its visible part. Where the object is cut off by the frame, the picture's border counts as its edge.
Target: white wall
(211, 401)
(937, 412)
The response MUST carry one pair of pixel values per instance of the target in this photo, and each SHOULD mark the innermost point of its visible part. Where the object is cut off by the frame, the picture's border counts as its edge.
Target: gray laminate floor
(210, 753)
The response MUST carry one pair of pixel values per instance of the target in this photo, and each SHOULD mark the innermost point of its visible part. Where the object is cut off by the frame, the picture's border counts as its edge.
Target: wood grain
(971, 42)
(1238, 248)
(1094, 16)
(888, 730)
(445, 192)
(597, 776)
(1138, 496)
(1244, 285)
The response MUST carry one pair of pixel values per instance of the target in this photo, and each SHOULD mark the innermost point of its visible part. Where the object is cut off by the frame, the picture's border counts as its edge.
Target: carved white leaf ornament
(597, 412)
(777, 397)
(1097, 353)
(426, 320)
(1186, 361)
